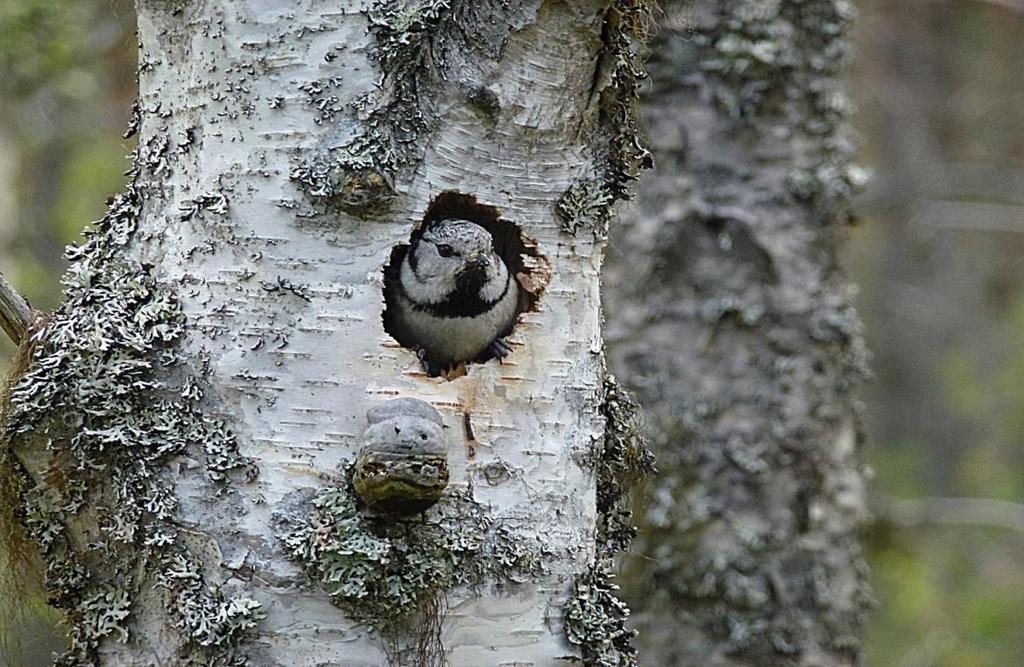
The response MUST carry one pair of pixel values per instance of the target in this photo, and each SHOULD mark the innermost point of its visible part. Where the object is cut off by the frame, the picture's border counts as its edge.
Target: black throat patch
(465, 301)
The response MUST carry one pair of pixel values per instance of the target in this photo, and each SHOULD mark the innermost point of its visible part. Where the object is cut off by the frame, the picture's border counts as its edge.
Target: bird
(450, 296)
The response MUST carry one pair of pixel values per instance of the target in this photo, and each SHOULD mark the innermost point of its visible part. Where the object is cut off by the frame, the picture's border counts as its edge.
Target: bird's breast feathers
(454, 331)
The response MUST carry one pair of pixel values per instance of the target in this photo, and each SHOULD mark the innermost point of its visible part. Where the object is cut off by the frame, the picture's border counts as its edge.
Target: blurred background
(938, 253)
(939, 257)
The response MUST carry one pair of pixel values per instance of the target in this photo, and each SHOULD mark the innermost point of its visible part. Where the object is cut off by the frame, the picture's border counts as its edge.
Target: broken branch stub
(402, 468)
(15, 313)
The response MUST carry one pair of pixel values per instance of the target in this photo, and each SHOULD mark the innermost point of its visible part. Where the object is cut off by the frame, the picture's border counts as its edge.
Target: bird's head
(454, 256)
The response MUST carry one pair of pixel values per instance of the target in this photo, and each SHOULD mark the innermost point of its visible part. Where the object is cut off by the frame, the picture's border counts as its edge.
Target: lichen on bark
(283, 297)
(595, 616)
(393, 574)
(619, 147)
(420, 45)
(783, 60)
(103, 407)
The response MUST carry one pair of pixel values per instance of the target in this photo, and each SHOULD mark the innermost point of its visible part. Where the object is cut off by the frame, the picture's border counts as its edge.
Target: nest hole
(521, 255)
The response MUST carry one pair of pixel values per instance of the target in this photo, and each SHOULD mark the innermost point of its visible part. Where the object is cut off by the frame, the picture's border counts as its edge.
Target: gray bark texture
(730, 319)
(180, 431)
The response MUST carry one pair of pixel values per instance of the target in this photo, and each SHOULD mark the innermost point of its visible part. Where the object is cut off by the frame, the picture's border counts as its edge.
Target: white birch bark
(281, 291)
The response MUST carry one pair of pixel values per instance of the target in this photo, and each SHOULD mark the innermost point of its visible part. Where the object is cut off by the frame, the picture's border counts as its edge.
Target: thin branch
(951, 511)
(1013, 5)
(974, 215)
(15, 313)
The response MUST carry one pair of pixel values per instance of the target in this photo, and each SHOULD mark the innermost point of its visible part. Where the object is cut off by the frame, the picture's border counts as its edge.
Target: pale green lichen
(595, 618)
(623, 463)
(618, 143)
(587, 203)
(625, 152)
(392, 574)
(104, 612)
(359, 177)
(405, 33)
(100, 403)
(207, 616)
(352, 181)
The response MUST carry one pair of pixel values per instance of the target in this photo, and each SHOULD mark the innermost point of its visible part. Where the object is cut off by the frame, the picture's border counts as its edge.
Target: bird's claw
(499, 348)
(428, 367)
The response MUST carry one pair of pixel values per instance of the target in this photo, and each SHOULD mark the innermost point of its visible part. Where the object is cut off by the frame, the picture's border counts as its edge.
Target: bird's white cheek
(495, 284)
(423, 288)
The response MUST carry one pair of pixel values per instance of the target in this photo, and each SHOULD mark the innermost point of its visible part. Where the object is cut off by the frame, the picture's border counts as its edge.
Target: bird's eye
(445, 250)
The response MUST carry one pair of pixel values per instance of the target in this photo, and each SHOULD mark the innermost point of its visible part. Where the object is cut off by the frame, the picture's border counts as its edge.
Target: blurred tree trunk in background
(729, 318)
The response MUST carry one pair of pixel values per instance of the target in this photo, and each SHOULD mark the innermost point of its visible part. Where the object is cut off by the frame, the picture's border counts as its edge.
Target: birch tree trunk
(183, 423)
(729, 318)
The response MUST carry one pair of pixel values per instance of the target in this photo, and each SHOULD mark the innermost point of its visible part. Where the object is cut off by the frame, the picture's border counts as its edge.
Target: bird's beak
(473, 272)
(477, 261)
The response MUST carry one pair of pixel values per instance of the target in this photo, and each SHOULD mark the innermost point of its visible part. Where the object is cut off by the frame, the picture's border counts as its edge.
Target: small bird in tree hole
(450, 296)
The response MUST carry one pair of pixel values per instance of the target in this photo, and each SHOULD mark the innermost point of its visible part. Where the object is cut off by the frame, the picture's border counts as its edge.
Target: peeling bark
(730, 319)
(221, 338)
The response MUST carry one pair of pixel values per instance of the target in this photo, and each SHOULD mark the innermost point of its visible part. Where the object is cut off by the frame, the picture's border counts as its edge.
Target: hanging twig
(15, 313)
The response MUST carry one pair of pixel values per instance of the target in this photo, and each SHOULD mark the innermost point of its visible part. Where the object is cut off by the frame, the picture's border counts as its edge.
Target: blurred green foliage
(39, 42)
(948, 597)
(953, 596)
(92, 171)
(940, 89)
(67, 80)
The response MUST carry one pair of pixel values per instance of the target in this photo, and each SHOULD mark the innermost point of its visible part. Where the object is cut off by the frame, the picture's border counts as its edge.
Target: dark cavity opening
(527, 266)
